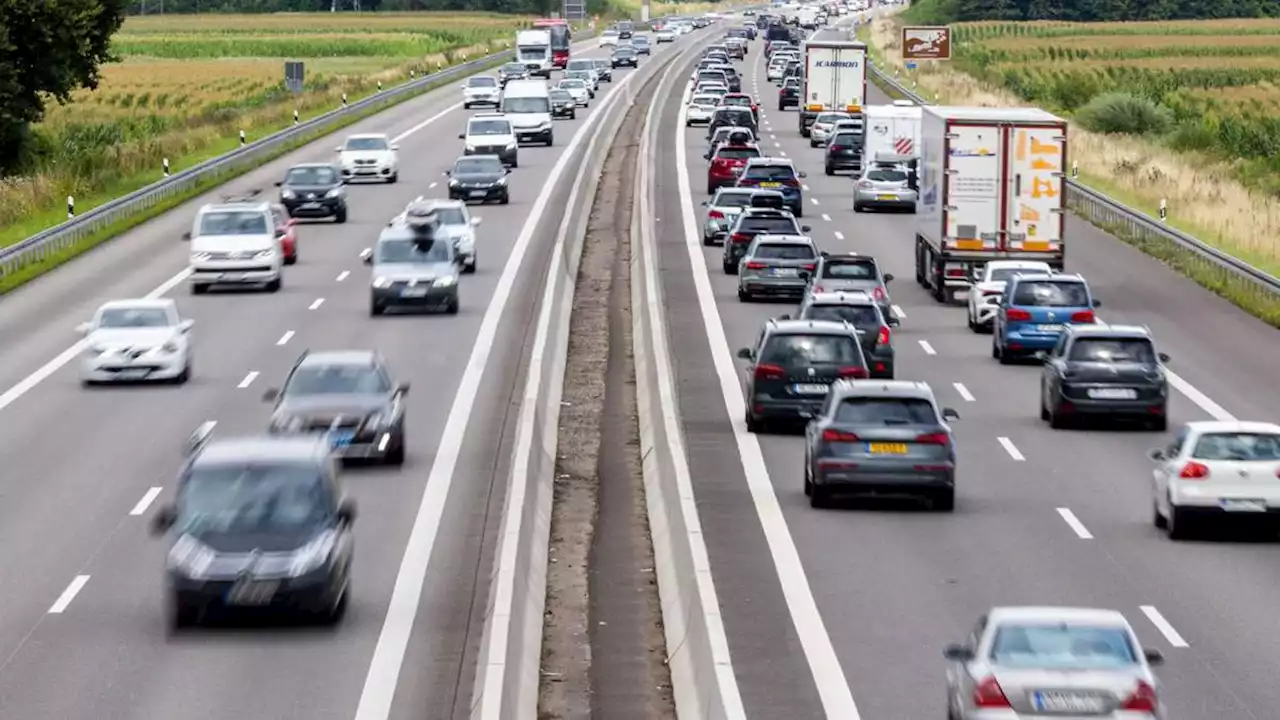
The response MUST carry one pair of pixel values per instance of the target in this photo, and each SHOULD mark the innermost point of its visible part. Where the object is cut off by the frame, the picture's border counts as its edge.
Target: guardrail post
(344, 99)
(1164, 210)
(164, 164)
(379, 86)
(71, 207)
(242, 139)
(412, 75)
(295, 116)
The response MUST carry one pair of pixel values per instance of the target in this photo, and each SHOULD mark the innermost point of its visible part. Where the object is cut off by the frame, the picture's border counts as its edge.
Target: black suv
(1104, 370)
(789, 94)
(625, 55)
(844, 152)
(792, 366)
(314, 190)
(626, 29)
(752, 222)
(861, 311)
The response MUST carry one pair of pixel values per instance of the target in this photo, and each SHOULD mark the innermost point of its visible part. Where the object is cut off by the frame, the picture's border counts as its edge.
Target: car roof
(1201, 427)
(1047, 277)
(1109, 331)
(771, 161)
(264, 448)
(488, 116)
(312, 165)
(725, 191)
(848, 257)
(365, 136)
(764, 238)
(810, 327)
(884, 388)
(339, 357)
(767, 212)
(438, 203)
(1067, 615)
(240, 205)
(139, 303)
(841, 297)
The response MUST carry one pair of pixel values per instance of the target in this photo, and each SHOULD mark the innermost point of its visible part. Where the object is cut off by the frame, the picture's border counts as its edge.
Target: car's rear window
(846, 139)
(737, 199)
(769, 172)
(886, 411)
(791, 350)
(861, 316)
(1238, 446)
(769, 225)
(737, 153)
(1051, 293)
(849, 270)
(886, 176)
(740, 101)
(1113, 350)
(1062, 646)
(783, 251)
(1003, 274)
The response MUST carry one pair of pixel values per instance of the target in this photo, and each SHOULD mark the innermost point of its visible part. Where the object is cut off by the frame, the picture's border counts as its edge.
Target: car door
(1170, 463)
(959, 674)
(1054, 367)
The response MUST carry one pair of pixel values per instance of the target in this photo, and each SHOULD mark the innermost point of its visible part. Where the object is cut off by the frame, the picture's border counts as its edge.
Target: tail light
(1016, 314)
(955, 272)
(933, 439)
(1143, 699)
(838, 148)
(878, 293)
(740, 237)
(1194, 471)
(865, 184)
(769, 372)
(818, 288)
(852, 372)
(988, 694)
(1084, 316)
(755, 265)
(808, 267)
(883, 337)
(829, 435)
(791, 183)
(715, 215)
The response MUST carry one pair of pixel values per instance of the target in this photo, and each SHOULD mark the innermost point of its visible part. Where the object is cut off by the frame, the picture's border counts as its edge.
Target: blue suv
(1035, 309)
(770, 173)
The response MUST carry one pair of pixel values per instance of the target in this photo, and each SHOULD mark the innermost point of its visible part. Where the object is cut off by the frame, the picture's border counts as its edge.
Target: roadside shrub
(1121, 113)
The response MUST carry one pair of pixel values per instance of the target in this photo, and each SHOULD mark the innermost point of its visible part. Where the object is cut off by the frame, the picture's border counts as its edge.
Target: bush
(1121, 113)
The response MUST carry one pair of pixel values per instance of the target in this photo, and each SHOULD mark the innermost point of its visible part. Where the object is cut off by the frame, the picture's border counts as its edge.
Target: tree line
(946, 11)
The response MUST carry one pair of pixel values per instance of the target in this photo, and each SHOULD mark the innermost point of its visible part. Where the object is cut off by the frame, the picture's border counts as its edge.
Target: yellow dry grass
(1175, 44)
(1202, 196)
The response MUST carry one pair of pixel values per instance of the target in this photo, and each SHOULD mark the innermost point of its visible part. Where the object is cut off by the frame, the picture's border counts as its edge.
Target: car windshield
(311, 176)
(366, 143)
(1048, 293)
(513, 69)
(337, 379)
(1004, 274)
(450, 216)
(792, 350)
(1061, 646)
(896, 176)
(731, 200)
(792, 83)
(572, 84)
(734, 116)
(478, 166)
(579, 75)
(1240, 447)
(624, 50)
(829, 118)
(640, 40)
(482, 82)
(737, 101)
(253, 498)
(886, 411)
(579, 65)
(769, 172)
(858, 315)
(706, 102)
(234, 223)
(712, 76)
(601, 64)
(737, 153)
(558, 95)
(489, 127)
(769, 225)
(133, 318)
(526, 105)
(1113, 350)
(849, 269)
(783, 251)
(533, 52)
(410, 251)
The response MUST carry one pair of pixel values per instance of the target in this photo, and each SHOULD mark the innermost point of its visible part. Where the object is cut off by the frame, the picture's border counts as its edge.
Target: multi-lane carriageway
(824, 607)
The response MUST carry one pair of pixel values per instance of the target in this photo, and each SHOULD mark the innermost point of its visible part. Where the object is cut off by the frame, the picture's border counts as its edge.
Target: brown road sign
(926, 43)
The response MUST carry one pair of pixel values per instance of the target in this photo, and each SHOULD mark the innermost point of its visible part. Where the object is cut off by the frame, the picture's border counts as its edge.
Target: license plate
(770, 185)
(340, 438)
(413, 292)
(887, 448)
(784, 272)
(811, 389)
(886, 197)
(735, 170)
(133, 374)
(310, 206)
(1067, 702)
(251, 592)
(478, 193)
(1244, 505)
(1113, 393)
(231, 277)
(1049, 328)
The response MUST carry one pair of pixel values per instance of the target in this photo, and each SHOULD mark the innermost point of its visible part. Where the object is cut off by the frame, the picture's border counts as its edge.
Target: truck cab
(833, 75)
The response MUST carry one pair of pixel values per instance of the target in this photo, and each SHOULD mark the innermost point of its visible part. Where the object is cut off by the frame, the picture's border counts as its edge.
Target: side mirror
(1154, 657)
(703, 203)
(366, 256)
(476, 220)
(338, 149)
(270, 394)
(395, 147)
(1040, 355)
(893, 321)
(957, 653)
(1097, 303)
(447, 173)
(805, 228)
(462, 136)
(347, 511)
(280, 232)
(1164, 357)
(1156, 455)
(784, 317)
(745, 353)
(165, 518)
(186, 236)
(950, 414)
(888, 277)
(84, 328)
(402, 388)
(186, 325)
(802, 174)
(279, 183)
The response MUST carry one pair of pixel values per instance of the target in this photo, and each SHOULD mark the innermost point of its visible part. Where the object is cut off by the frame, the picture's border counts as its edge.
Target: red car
(726, 165)
(742, 100)
(287, 227)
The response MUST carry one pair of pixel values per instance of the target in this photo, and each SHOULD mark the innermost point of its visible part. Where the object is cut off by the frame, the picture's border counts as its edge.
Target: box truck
(834, 78)
(533, 50)
(992, 187)
(893, 132)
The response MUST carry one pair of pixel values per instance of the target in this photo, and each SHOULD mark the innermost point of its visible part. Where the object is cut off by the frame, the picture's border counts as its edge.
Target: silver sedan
(722, 210)
(883, 188)
(776, 266)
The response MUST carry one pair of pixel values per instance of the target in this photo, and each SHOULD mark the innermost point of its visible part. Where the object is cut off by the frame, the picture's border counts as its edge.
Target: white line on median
(928, 349)
(285, 338)
(248, 379)
(1010, 448)
(964, 392)
(840, 236)
(1081, 531)
(1164, 627)
(316, 304)
(826, 217)
(343, 275)
(146, 501)
(60, 605)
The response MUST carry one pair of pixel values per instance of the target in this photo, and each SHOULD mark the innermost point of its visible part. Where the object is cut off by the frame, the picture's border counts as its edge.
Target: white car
(481, 90)
(136, 340)
(774, 72)
(454, 222)
(701, 108)
(578, 89)
(822, 125)
(664, 36)
(236, 243)
(609, 38)
(987, 289)
(715, 89)
(369, 156)
(1221, 470)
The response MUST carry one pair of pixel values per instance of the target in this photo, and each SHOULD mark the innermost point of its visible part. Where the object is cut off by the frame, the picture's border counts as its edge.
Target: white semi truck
(533, 50)
(992, 187)
(834, 78)
(893, 132)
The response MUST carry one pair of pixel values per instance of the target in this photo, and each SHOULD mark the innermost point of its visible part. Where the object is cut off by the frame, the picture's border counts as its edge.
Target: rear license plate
(887, 448)
(1113, 393)
(811, 389)
(1067, 702)
(478, 193)
(253, 592)
(340, 438)
(1244, 505)
(1049, 328)
(770, 185)
(735, 170)
(231, 277)
(413, 292)
(785, 272)
(886, 197)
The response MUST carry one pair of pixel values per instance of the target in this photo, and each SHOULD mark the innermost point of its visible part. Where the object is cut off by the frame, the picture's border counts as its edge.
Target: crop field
(187, 85)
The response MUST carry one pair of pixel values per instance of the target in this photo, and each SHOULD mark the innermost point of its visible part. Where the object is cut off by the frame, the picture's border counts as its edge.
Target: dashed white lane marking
(316, 304)
(773, 137)
(777, 144)
(826, 217)
(60, 605)
(782, 153)
(964, 392)
(840, 236)
(146, 501)
(928, 349)
(805, 188)
(1010, 448)
(898, 311)
(344, 275)
(285, 338)
(1164, 627)
(432, 185)
(248, 379)
(813, 200)
(1081, 531)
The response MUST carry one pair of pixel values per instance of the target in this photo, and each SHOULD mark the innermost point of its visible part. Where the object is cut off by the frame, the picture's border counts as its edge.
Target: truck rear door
(1035, 200)
(973, 167)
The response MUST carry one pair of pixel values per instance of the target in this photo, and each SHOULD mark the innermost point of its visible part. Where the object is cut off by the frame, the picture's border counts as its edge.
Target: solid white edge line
(383, 678)
(1164, 626)
(1010, 448)
(146, 501)
(1070, 518)
(60, 605)
(928, 349)
(964, 392)
(833, 687)
(248, 379)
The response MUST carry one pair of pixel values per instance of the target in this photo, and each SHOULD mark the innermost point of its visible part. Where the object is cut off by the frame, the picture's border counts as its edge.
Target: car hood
(528, 120)
(1098, 372)
(479, 178)
(414, 271)
(330, 407)
(353, 155)
(232, 243)
(240, 547)
(131, 337)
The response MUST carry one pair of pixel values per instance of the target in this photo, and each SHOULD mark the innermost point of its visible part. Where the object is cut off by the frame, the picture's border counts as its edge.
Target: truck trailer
(834, 79)
(893, 132)
(992, 187)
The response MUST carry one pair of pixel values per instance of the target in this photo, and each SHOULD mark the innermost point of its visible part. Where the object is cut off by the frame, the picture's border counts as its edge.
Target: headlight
(287, 194)
(381, 282)
(454, 183)
(263, 254)
(470, 147)
(502, 180)
(445, 281)
(170, 347)
(334, 193)
(191, 557)
(314, 554)
(200, 256)
(511, 146)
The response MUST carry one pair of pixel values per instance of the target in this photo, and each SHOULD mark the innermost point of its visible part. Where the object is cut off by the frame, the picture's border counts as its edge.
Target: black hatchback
(314, 190)
(793, 366)
(844, 152)
(625, 56)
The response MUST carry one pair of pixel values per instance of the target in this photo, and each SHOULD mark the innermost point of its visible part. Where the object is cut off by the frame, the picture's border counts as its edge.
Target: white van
(527, 104)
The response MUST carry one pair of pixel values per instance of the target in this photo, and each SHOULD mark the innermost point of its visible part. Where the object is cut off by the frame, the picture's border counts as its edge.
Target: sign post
(294, 73)
(926, 43)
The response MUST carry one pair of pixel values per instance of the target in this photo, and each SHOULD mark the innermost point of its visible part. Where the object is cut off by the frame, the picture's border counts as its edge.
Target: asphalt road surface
(859, 601)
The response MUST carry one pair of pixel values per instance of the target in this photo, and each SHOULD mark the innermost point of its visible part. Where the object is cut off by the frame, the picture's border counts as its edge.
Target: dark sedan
(625, 56)
(314, 190)
(512, 71)
(789, 95)
(479, 178)
(860, 310)
(562, 104)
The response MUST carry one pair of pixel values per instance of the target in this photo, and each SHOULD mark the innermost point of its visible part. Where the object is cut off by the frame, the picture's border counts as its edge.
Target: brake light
(1016, 314)
(988, 694)
(1143, 699)
(1084, 316)
(808, 267)
(1194, 471)
(769, 372)
(715, 215)
(852, 372)
(878, 293)
(883, 337)
(955, 272)
(838, 148)
(755, 265)
(791, 183)
(933, 439)
(838, 436)
(740, 237)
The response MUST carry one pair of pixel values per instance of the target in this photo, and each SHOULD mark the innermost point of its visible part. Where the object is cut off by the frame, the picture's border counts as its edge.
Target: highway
(844, 613)
(82, 630)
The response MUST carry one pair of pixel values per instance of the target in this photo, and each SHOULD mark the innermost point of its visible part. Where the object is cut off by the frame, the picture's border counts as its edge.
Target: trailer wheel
(920, 279)
(939, 287)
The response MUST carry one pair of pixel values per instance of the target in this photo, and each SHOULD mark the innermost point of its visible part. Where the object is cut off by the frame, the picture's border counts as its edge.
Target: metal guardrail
(65, 236)
(1251, 288)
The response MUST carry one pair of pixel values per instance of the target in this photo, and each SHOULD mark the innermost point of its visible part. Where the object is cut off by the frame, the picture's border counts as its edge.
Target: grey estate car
(851, 271)
(860, 310)
(776, 266)
(793, 364)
